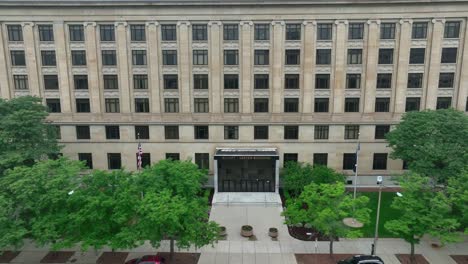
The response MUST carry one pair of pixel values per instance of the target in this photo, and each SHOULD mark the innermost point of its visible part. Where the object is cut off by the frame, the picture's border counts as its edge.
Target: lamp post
(376, 234)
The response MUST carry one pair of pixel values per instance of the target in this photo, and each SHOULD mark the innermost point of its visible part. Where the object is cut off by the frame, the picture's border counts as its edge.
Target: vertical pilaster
(403, 65)
(123, 67)
(153, 50)
(61, 52)
(246, 64)
(309, 66)
(434, 65)
(277, 66)
(92, 62)
(463, 84)
(4, 86)
(371, 65)
(340, 66)
(31, 61)
(216, 72)
(184, 66)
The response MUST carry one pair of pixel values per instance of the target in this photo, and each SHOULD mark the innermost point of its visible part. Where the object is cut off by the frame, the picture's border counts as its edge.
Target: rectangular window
(87, 158)
(380, 161)
(15, 32)
(82, 132)
(231, 132)
(381, 131)
(449, 55)
(107, 33)
(415, 80)
(260, 105)
(111, 82)
(199, 32)
(112, 105)
(351, 105)
(446, 79)
(142, 132)
(293, 31)
(231, 32)
(171, 105)
(291, 105)
(260, 132)
(324, 31)
(78, 57)
(231, 57)
(21, 82)
(291, 81)
(109, 58)
(51, 82)
(417, 55)
(231, 81)
(168, 32)
(137, 33)
(291, 132)
(349, 161)
(384, 80)
(419, 30)
(261, 81)
(169, 57)
(145, 159)
(171, 81)
(18, 58)
(321, 159)
(231, 105)
(289, 157)
(444, 102)
(262, 32)
(82, 106)
(76, 32)
(142, 105)
(261, 57)
(353, 81)
(171, 132)
(382, 104)
(452, 29)
(321, 132)
(354, 56)
(80, 82)
(140, 81)
(293, 57)
(321, 105)
(139, 57)
(323, 57)
(412, 104)
(351, 132)
(385, 56)
(322, 81)
(405, 165)
(201, 132)
(387, 31)
(356, 31)
(53, 105)
(202, 160)
(200, 57)
(173, 156)
(112, 132)
(114, 161)
(48, 58)
(201, 105)
(46, 33)
(200, 81)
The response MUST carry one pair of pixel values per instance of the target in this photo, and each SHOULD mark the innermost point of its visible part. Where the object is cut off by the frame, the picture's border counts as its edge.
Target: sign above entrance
(248, 153)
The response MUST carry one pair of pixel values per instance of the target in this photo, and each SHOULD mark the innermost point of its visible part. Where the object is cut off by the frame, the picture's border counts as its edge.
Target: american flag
(140, 153)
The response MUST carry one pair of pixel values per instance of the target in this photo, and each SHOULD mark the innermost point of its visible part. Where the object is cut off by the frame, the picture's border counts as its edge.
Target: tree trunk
(331, 246)
(412, 259)
(171, 248)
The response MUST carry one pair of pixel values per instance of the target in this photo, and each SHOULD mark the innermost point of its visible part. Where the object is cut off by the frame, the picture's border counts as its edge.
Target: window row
(379, 161)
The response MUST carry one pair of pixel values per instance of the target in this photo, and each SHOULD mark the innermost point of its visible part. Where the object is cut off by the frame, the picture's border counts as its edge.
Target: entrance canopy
(246, 152)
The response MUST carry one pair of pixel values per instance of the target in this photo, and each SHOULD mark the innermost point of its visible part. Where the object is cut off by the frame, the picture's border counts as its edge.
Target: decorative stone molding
(323, 69)
(108, 45)
(51, 94)
(121, 23)
(273, 23)
(261, 69)
(292, 92)
(309, 22)
(246, 23)
(233, 93)
(292, 69)
(16, 45)
(77, 45)
(81, 93)
(383, 92)
(152, 23)
(450, 43)
(231, 45)
(181, 23)
(140, 93)
(24, 24)
(352, 93)
(341, 22)
(261, 93)
(293, 44)
(169, 45)
(200, 69)
(47, 46)
(445, 92)
(376, 21)
(418, 43)
(111, 93)
(139, 70)
(19, 70)
(358, 44)
(262, 44)
(385, 68)
(414, 92)
(322, 93)
(138, 45)
(172, 94)
(49, 70)
(109, 70)
(324, 44)
(231, 69)
(79, 70)
(416, 68)
(214, 23)
(19, 93)
(200, 45)
(448, 67)
(438, 20)
(387, 43)
(88, 23)
(201, 93)
(354, 69)
(170, 69)
(406, 20)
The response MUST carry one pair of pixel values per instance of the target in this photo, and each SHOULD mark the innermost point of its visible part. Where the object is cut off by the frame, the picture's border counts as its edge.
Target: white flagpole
(356, 167)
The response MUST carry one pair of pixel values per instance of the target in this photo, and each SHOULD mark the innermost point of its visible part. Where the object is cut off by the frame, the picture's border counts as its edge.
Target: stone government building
(238, 86)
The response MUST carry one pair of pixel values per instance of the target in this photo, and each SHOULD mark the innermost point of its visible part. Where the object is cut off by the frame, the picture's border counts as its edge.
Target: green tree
(433, 143)
(323, 174)
(324, 206)
(457, 190)
(423, 211)
(25, 135)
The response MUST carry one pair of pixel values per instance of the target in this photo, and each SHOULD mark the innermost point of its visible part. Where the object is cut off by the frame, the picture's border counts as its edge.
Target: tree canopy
(433, 143)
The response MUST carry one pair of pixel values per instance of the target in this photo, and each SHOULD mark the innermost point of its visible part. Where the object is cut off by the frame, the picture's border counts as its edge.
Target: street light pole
(356, 167)
(376, 234)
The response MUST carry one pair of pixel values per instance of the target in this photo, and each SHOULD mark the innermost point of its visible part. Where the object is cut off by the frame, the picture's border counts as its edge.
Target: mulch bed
(301, 234)
(112, 258)
(8, 256)
(460, 259)
(57, 256)
(321, 258)
(181, 258)
(405, 259)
